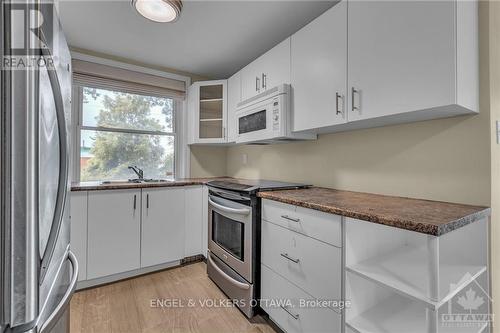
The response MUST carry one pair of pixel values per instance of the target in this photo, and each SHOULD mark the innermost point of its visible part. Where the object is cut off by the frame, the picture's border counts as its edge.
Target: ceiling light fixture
(159, 10)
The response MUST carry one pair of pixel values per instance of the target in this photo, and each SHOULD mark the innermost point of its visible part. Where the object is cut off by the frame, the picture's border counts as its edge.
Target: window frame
(77, 116)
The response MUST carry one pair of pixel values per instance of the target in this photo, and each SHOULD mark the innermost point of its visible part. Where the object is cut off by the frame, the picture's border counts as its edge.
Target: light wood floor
(125, 306)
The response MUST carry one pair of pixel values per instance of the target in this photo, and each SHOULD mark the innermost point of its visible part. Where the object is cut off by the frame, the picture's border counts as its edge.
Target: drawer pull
(294, 316)
(293, 219)
(286, 256)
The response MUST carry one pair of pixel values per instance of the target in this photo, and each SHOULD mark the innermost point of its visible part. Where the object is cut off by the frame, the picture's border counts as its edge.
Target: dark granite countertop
(96, 186)
(429, 217)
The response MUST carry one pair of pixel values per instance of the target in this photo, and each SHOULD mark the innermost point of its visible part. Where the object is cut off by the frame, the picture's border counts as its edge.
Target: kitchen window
(116, 129)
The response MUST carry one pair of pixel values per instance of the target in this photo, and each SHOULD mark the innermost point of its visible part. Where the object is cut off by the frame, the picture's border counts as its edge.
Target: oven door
(230, 234)
(254, 123)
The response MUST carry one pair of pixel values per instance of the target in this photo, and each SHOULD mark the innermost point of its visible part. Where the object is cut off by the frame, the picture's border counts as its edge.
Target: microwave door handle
(240, 211)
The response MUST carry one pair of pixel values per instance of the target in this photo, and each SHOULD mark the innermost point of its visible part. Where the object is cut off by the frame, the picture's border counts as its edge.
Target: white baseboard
(125, 275)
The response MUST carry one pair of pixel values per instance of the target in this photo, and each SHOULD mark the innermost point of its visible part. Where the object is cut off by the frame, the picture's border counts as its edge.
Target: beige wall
(208, 161)
(439, 160)
(445, 159)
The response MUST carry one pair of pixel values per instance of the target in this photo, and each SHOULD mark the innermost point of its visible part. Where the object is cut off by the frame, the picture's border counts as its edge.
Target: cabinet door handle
(337, 97)
(293, 219)
(286, 256)
(264, 81)
(294, 315)
(353, 91)
(135, 201)
(257, 84)
(147, 201)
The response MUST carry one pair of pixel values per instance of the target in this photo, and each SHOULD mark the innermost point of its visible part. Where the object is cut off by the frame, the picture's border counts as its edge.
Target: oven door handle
(240, 211)
(237, 283)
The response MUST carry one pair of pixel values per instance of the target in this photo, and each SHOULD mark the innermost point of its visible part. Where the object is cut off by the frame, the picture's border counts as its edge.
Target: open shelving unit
(404, 281)
(404, 272)
(397, 314)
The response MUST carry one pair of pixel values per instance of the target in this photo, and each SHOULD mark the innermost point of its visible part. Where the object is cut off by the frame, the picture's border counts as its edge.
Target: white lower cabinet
(78, 236)
(302, 260)
(193, 208)
(119, 231)
(282, 301)
(162, 236)
(297, 268)
(322, 226)
(114, 226)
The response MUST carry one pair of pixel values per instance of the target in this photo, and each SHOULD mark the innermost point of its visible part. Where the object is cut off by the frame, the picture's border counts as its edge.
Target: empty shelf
(405, 271)
(397, 314)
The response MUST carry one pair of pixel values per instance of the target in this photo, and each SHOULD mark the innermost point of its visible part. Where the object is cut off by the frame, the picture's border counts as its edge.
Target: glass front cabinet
(207, 112)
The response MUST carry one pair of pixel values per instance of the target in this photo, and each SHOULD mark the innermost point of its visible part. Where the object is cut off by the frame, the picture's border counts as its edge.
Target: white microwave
(266, 118)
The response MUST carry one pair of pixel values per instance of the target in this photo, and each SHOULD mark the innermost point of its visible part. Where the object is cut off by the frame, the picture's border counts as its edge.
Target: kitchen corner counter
(424, 216)
(96, 186)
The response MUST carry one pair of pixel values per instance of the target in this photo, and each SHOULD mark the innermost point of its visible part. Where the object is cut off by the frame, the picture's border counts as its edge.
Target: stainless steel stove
(234, 237)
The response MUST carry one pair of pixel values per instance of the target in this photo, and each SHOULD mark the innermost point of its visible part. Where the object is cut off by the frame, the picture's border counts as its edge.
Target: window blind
(108, 77)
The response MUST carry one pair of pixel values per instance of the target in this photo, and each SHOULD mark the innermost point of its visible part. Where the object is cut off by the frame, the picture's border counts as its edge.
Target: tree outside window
(121, 129)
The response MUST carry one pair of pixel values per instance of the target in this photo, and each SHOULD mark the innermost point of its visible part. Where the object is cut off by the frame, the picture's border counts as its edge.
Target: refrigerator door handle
(63, 169)
(60, 308)
(63, 304)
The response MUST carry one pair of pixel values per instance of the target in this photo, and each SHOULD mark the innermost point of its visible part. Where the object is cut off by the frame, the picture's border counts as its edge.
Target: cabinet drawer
(323, 226)
(312, 265)
(277, 291)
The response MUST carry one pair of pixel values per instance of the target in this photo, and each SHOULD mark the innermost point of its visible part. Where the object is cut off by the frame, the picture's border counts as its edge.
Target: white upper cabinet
(162, 226)
(207, 112)
(267, 71)
(233, 98)
(365, 64)
(409, 56)
(319, 70)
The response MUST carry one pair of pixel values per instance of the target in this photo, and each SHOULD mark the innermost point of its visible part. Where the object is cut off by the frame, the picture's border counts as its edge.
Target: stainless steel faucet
(139, 172)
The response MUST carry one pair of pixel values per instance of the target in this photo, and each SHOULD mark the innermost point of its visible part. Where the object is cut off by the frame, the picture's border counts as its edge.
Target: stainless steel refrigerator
(38, 271)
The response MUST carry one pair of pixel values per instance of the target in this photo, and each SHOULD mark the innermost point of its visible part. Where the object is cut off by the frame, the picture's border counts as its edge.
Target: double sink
(135, 181)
